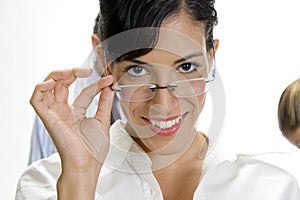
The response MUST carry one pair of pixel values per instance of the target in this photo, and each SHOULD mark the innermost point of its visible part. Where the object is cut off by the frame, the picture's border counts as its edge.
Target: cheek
(294, 137)
(196, 103)
(201, 101)
(134, 111)
(297, 137)
(297, 132)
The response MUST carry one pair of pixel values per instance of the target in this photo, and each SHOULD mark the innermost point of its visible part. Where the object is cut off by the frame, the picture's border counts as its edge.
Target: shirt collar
(124, 154)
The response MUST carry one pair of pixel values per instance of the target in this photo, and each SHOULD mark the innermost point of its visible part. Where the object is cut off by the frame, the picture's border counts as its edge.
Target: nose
(166, 99)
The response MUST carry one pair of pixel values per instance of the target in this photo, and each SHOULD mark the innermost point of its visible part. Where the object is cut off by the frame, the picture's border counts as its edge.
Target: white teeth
(162, 124)
(169, 124)
(165, 124)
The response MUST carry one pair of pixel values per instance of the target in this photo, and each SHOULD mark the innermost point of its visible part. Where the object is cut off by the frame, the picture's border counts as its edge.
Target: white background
(257, 58)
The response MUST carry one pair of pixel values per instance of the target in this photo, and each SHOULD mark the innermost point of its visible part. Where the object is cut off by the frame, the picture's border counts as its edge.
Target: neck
(195, 152)
(180, 179)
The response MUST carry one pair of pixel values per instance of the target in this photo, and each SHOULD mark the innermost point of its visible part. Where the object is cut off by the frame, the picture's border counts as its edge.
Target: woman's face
(165, 123)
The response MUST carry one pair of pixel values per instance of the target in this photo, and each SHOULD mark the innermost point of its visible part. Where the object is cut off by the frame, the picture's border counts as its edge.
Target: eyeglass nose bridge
(153, 88)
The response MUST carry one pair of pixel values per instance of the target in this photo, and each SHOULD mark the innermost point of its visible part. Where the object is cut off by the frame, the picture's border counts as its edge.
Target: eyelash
(196, 64)
(126, 70)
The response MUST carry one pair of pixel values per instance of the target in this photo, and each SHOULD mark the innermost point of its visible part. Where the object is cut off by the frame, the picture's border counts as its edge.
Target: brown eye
(186, 68)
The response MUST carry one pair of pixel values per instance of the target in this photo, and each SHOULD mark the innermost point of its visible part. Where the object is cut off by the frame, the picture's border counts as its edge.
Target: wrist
(75, 183)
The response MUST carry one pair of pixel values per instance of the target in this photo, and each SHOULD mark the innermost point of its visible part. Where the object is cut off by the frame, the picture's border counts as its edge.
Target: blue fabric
(41, 143)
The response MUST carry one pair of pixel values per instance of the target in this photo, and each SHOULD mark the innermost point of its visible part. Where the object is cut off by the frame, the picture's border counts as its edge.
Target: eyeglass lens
(186, 88)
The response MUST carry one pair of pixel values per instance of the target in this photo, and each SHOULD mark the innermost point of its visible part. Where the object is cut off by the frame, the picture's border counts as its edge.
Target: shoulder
(38, 181)
(253, 169)
(248, 177)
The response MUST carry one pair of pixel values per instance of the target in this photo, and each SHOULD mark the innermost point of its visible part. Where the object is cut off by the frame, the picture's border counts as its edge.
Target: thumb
(103, 113)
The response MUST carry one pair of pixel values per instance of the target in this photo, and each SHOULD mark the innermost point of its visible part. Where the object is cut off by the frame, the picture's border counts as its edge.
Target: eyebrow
(141, 62)
(187, 58)
(174, 63)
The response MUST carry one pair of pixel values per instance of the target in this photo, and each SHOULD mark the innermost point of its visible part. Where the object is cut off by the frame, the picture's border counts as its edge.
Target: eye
(187, 67)
(136, 70)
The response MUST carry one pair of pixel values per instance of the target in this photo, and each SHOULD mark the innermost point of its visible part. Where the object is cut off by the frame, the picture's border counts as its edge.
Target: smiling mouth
(165, 127)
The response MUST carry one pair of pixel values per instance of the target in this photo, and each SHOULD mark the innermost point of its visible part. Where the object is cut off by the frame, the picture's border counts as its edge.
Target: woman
(160, 57)
(289, 113)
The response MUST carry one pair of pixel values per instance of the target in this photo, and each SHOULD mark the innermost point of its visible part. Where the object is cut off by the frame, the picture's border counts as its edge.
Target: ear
(214, 47)
(110, 69)
(95, 40)
(216, 44)
(100, 64)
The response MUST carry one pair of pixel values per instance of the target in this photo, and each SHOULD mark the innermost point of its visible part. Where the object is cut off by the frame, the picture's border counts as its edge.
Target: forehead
(181, 35)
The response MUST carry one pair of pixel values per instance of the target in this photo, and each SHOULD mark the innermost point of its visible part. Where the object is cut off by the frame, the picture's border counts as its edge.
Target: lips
(165, 127)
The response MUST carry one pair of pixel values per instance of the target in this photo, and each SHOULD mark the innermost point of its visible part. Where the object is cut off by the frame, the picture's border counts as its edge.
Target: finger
(41, 95)
(61, 92)
(103, 113)
(64, 79)
(69, 75)
(48, 98)
(87, 95)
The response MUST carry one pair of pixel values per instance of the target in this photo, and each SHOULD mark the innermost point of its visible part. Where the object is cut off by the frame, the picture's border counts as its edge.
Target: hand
(81, 142)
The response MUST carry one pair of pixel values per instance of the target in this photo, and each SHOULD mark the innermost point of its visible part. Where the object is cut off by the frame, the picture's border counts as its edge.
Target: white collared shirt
(126, 174)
